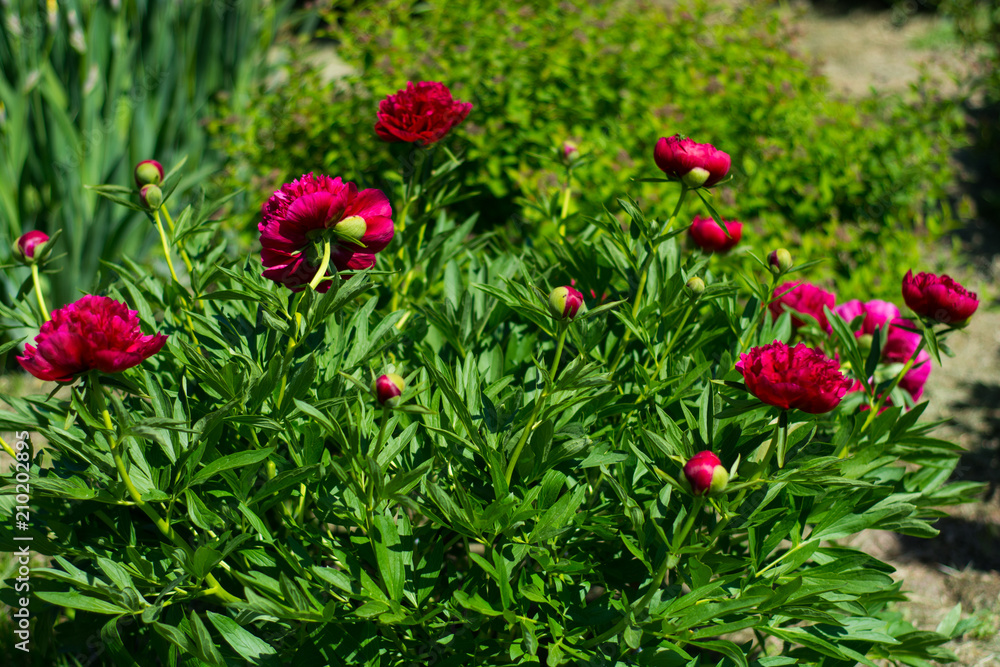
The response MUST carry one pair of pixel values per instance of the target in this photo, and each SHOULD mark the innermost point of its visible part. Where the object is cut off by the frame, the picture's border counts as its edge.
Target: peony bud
(388, 389)
(148, 172)
(694, 287)
(780, 261)
(568, 149)
(705, 474)
(151, 196)
(29, 246)
(565, 302)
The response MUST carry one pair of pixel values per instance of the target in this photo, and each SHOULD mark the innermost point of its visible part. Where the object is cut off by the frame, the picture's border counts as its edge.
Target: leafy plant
(241, 496)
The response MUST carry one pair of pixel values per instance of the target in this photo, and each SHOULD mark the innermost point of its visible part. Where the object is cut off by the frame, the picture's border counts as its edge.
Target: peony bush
(384, 438)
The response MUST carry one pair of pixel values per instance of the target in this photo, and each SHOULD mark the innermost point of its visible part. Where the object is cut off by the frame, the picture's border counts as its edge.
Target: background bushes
(613, 77)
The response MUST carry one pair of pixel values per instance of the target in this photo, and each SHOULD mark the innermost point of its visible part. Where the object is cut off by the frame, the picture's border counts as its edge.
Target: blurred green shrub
(88, 89)
(614, 77)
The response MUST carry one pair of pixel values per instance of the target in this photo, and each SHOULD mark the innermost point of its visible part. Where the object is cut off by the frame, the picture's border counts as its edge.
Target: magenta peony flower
(804, 298)
(793, 377)
(93, 333)
(28, 245)
(938, 298)
(308, 213)
(705, 473)
(565, 302)
(388, 389)
(876, 313)
(698, 165)
(708, 235)
(424, 112)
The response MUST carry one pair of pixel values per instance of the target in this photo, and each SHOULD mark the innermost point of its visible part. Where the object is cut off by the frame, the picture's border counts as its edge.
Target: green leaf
(74, 600)
(237, 460)
(389, 554)
(248, 645)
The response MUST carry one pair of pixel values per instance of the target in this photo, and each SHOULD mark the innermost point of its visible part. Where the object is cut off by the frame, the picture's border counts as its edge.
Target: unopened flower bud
(388, 388)
(865, 344)
(148, 172)
(151, 196)
(705, 474)
(29, 246)
(780, 260)
(568, 149)
(694, 287)
(565, 302)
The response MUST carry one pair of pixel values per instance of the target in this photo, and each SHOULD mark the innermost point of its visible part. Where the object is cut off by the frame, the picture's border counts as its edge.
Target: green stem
(180, 247)
(565, 201)
(879, 401)
(166, 246)
(563, 328)
(381, 431)
(38, 292)
(669, 561)
(323, 266)
(163, 525)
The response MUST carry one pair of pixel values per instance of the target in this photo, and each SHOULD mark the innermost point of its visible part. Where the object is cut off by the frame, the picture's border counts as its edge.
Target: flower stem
(38, 292)
(323, 266)
(381, 431)
(7, 448)
(669, 561)
(876, 402)
(166, 246)
(184, 255)
(163, 525)
(563, 328)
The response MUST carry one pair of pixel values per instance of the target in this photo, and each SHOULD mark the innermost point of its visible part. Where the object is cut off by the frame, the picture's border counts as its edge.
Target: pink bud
(705, 473)
(568, 148)
(780, 260)
(565, 302)
(148, 172)
(388, 389)
(29, 245)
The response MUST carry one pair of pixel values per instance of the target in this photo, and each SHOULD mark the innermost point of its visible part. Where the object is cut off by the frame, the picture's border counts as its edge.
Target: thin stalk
(668, 563)
(879, 401)
(381, 431)
(38, 292)
(323, 266)
(7, 448)
(215, 588)
(166, 246)
(563, 328)
(180, 247)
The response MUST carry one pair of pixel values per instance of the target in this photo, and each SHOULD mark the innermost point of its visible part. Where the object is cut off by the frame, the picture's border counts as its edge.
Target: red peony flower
(708, 235)
(698, 165)
(793, 377)
(705, 473)
(93, 333)
(938, 298)
(424, 112)
(803, 298)
(301, 218)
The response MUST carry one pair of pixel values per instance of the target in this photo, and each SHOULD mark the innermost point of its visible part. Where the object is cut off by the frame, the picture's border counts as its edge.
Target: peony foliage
(462, 454)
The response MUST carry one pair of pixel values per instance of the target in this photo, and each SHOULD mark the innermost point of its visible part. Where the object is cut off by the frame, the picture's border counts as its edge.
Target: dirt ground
(869, 50)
